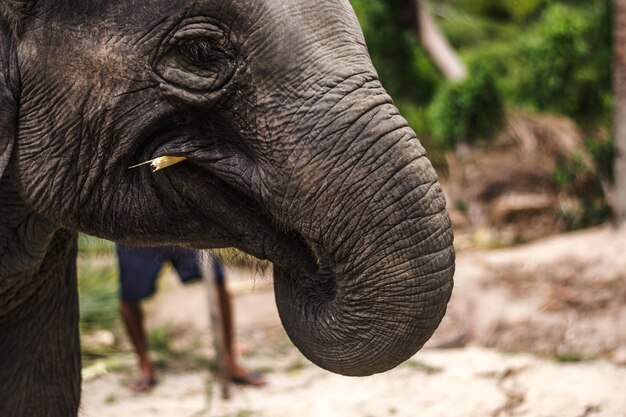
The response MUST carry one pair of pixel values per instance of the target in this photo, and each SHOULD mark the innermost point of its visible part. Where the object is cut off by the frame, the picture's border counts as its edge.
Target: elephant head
(295, 153)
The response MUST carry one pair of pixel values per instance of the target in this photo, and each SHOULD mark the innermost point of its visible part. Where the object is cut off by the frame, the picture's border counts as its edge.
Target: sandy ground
(533, 331)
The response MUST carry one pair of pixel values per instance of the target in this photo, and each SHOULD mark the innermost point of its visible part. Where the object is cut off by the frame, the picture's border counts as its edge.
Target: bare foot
(243, 376)
(146, 379)
(143, 385)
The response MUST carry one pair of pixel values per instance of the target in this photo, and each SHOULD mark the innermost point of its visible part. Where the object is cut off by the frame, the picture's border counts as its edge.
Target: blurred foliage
(98, 300)
(542, 55)
(603, 153)
(584, 179)
(545, 55)
(591, 212)
(169, 353)
(465, 30)
(563, 65)
(502, 10)
(403, 66)
(467, 110)
(90, 245)
(98, 295)
(569, 357)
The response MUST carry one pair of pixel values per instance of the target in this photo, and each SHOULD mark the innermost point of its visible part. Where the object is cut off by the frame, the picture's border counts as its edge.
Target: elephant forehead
(285, 21)
(319, 12)
(110, 35)
(80, 58)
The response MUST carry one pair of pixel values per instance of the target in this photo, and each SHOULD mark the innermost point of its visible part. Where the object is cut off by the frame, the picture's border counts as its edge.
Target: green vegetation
(180, 357)
(422, 367)
(402, 64)
(507, 10)
(90, 245)
(468, 110)
(97, 291)
(98, 299)
(98, 294)
(542, 55)
(296, 365)
(569, 357)
(564, 66)
(586, 178)
(549, 56)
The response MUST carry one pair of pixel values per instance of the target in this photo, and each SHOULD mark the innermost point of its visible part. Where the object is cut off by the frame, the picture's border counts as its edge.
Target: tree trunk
(619, 115)
(437, 46)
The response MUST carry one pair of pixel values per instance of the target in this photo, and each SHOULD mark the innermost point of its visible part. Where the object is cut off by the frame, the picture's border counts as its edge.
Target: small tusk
(161, 162)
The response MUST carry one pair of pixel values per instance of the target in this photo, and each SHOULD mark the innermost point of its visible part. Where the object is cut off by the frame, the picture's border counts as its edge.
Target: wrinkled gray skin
(296, 155)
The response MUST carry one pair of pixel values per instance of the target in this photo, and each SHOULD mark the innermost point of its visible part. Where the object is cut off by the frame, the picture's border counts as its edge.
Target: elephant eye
(198, 56)
(201, 52)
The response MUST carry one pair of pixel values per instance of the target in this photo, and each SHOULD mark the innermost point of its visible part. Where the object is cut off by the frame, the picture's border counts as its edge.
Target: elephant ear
(8, 101)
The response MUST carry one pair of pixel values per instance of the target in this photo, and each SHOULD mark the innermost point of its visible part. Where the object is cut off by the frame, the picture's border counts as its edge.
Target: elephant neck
(26, 238)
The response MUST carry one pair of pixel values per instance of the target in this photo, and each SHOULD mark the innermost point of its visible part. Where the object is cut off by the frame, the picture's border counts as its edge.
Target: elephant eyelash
(200, 51)
(161, 162)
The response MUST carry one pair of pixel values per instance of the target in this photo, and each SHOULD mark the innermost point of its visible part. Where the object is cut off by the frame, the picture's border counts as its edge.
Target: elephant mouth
(233, 218)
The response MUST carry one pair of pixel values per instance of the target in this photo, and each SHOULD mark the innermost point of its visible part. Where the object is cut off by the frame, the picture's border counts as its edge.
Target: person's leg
(239, 374)
(187, 265)
(132, 315)
(227, 322)
(139, 268)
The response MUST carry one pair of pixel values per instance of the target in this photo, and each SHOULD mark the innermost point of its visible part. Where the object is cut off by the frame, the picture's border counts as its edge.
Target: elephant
(293, 152)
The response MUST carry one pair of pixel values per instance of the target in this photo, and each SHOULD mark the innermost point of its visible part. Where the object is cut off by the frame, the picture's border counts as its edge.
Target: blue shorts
(140, 266)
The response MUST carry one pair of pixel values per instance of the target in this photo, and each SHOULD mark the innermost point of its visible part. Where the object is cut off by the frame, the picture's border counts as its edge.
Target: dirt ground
(533, 331)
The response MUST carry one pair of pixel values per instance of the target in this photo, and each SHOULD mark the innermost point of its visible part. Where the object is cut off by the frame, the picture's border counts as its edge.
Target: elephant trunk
(384, 253)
